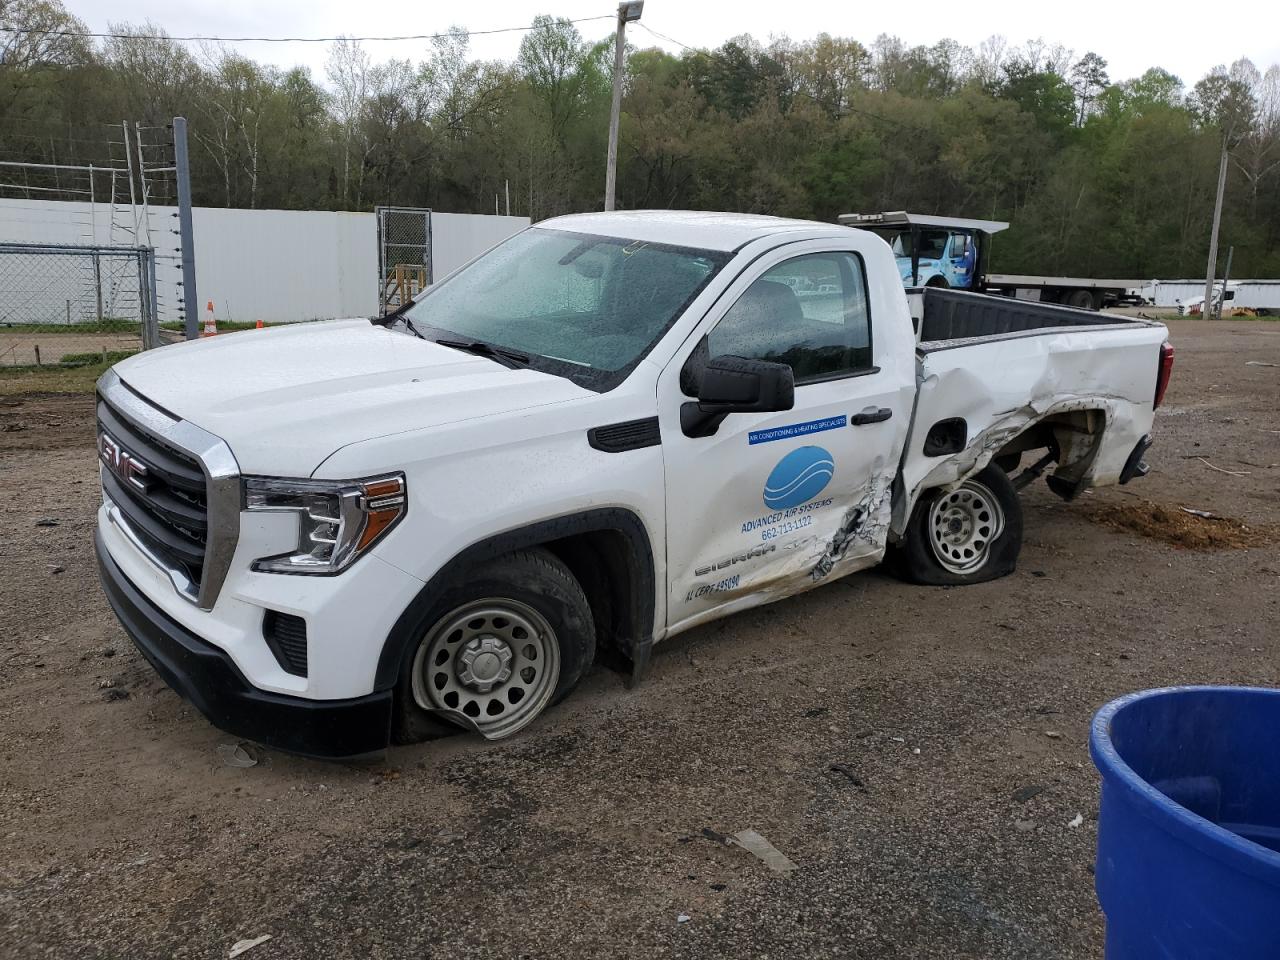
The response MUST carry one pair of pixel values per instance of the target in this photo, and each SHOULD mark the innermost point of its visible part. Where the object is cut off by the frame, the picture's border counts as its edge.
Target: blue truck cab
(932, 251)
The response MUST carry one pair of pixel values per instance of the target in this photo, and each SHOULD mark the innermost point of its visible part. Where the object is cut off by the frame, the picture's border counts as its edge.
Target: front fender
(637, 644)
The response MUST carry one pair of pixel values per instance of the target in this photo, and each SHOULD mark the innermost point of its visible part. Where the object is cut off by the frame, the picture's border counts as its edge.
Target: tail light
(1164, 373)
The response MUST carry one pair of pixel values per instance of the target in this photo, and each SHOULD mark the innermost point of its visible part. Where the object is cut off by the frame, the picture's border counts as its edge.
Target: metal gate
(68, 300)
(404, 254)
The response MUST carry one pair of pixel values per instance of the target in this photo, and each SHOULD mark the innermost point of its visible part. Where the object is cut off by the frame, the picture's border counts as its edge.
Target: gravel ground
(918, 753)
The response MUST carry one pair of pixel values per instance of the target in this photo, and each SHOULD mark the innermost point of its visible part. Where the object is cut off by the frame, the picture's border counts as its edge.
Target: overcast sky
(1131, 36)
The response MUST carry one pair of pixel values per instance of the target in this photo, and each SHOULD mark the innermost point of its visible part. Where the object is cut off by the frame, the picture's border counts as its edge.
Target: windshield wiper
(411, 328)
(508, 358)
(389, 320)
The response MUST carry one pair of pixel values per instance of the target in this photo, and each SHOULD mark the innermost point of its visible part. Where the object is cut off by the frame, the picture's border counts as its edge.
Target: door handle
(871, 415)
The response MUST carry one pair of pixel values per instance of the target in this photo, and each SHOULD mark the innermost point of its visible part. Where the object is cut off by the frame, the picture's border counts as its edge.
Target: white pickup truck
(606, 430)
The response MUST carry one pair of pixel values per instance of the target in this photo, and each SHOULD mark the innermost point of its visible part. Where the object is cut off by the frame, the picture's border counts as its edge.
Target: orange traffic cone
(210, 323)
(259, 324)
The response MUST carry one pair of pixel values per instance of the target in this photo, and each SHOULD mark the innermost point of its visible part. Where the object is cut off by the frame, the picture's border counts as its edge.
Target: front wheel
(510, 639)
(967, 535)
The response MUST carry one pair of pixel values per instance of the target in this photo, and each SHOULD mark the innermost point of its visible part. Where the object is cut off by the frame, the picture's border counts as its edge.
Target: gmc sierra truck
(606, 430)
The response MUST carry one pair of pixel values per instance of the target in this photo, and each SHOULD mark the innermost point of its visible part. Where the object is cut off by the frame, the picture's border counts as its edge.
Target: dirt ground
(918, 753)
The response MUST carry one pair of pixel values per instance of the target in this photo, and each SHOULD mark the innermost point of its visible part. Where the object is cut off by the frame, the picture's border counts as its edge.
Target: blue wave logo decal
(799, 477)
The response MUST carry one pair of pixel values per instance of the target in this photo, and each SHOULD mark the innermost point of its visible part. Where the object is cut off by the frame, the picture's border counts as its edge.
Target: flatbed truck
(952, 252)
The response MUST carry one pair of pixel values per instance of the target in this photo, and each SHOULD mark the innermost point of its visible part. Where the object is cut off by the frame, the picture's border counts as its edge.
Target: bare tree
(348, 72)
(238, 93)
(1257, 154)
(989, 60)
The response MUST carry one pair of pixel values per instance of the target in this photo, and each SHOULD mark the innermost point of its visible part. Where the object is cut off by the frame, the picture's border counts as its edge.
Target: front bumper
(210, 680)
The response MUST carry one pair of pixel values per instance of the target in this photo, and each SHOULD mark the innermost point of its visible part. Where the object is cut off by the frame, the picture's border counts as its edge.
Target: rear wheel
(967, 535)
(513, 637)
(1009, 462)
(1081, 299)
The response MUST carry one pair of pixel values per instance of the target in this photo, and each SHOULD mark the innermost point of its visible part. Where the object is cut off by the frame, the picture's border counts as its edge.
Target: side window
(810, 313)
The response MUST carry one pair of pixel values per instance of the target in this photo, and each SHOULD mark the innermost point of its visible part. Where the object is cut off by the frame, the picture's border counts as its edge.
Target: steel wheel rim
(963, 524)
(493, 663)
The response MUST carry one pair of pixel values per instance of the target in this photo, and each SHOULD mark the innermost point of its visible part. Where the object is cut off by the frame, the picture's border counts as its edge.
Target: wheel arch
(1074, 430)
(607, 549)
(1072, 436)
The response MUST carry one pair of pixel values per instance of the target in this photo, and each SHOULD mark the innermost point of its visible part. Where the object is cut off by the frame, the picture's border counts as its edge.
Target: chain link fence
(70, 304)
(404, 254)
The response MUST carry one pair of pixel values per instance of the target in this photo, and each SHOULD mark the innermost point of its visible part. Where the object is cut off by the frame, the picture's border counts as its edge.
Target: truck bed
(992, 367)
(946, 316)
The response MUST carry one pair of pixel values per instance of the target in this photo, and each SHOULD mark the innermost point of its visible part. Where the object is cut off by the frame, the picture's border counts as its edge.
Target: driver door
(960, 259)
(774, 503)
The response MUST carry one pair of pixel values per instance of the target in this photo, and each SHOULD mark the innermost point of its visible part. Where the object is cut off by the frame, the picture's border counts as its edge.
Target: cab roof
(902, 218)
(688, 228)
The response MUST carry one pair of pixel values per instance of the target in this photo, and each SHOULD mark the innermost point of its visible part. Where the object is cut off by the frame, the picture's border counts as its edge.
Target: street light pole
(628, 11)
(1206, 312)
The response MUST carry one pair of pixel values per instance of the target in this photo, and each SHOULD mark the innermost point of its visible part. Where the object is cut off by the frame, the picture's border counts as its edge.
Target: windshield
(932, 243)
(581, 306)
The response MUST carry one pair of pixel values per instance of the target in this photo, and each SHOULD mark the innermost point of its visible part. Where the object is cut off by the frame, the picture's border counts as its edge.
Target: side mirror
(736, 385)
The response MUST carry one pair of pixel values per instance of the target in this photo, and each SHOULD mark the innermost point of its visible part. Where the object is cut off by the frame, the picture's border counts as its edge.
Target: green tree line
(1098, 176)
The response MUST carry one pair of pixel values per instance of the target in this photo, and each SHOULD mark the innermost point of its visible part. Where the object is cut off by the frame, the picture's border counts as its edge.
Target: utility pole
(1207, 310)
(1226, 277)
(182, 171)
(628, 11)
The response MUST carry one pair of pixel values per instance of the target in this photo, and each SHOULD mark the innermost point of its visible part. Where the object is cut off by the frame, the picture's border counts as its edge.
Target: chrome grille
(172, 488)
(159, 490)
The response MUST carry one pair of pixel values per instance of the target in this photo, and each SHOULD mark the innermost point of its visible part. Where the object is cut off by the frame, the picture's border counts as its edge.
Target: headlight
(337, 520)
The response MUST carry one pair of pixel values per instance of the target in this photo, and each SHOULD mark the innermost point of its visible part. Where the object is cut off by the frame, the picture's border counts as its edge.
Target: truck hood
(286, 398)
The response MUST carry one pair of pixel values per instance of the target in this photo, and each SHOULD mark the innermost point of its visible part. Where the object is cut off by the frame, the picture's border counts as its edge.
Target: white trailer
(1253, 294)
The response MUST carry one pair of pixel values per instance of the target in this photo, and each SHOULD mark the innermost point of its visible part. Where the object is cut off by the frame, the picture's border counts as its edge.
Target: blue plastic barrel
(1189, 825)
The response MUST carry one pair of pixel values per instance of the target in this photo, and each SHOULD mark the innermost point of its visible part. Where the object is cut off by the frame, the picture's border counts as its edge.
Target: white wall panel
(457, 238)
(273, 265)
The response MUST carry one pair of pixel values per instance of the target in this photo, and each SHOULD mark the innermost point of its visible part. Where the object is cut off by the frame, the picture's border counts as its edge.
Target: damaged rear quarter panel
(1001, 387)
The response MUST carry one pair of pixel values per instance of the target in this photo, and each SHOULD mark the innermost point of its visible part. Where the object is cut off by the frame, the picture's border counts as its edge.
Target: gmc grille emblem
(121, 462)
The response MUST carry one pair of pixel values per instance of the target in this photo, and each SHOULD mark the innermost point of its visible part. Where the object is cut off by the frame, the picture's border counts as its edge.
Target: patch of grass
(223, 325)
(51, 379)
(84, 359)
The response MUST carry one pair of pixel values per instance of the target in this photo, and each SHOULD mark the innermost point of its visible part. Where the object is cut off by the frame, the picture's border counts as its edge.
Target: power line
(419, 36)
(663, 36)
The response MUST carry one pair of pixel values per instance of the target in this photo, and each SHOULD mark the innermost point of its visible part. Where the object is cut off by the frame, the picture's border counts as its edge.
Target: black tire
(938, 283)
(1009, 462)
(915, 558)
(533, 578)
(1081, 300)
